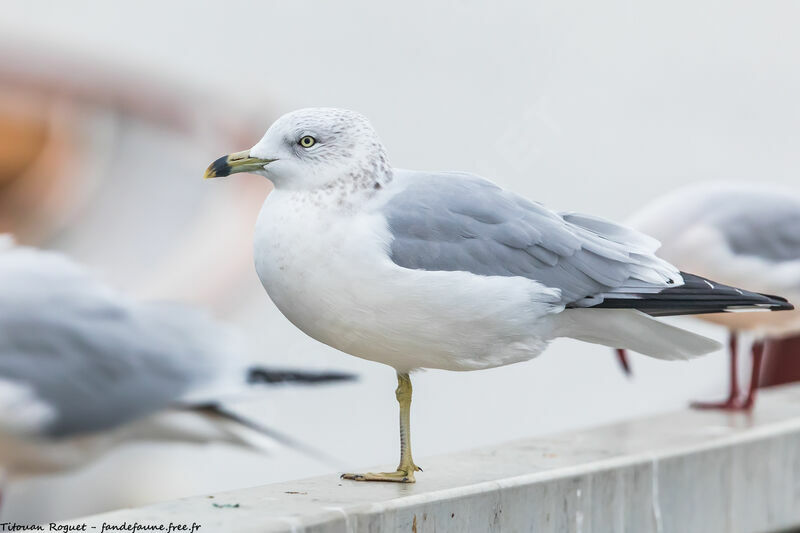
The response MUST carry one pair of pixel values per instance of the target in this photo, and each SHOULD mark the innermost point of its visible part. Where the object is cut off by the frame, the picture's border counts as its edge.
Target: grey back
(451, 221)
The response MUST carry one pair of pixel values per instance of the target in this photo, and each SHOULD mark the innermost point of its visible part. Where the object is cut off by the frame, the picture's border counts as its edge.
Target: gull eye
(307, 141)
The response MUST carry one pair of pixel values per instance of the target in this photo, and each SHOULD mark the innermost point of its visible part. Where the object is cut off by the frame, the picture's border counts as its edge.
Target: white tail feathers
(633, 330)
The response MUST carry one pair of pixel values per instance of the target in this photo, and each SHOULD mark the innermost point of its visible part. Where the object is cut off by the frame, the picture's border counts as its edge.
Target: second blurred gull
(740, 234)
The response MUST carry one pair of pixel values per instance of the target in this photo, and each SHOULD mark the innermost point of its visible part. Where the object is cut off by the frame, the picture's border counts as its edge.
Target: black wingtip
(271, 376)
(778, 303)
(697, 295)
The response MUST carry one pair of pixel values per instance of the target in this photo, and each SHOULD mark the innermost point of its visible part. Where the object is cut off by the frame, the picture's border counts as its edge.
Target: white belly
(331, 277)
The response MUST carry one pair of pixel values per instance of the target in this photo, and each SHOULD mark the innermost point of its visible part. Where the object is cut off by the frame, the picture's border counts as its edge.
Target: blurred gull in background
(740, 234)
(83, 368)
(446, 270)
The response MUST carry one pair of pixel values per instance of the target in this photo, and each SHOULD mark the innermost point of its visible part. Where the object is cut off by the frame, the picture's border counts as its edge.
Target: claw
(400, 476)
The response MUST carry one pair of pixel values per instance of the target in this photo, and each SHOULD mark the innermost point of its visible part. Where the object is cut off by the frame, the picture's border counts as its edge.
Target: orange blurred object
(105, 165)
(35, 158)
(21, 140)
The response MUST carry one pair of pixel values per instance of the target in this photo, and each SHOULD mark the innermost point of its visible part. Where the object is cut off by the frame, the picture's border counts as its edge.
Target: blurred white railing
(683, 472)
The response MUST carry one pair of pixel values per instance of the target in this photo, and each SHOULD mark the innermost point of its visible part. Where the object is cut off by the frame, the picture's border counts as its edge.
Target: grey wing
(83, 357)
(752, 220)
(460, 222)
(769, 231)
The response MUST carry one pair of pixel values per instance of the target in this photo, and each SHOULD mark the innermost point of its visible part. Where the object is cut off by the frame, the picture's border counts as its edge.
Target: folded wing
(461, 222)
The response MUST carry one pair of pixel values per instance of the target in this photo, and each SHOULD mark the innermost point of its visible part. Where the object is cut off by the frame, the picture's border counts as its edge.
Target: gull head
(312, 149)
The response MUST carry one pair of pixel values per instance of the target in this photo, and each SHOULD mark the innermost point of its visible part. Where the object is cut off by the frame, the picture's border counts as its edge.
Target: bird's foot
(731, 404)
(401, 475)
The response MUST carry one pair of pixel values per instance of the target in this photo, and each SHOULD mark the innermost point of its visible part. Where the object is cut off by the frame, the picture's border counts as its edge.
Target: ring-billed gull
(83, 368)
(740, 234)
(445, 269)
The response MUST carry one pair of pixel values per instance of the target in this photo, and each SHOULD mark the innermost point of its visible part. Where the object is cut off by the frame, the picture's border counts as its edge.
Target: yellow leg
(406, 468)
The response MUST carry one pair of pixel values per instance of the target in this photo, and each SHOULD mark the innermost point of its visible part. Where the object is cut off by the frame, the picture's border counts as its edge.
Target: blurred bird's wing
(77, 357)
(767, 230)
(86, 357)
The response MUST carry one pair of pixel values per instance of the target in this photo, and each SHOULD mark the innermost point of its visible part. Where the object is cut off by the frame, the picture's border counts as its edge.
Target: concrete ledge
(689, 471)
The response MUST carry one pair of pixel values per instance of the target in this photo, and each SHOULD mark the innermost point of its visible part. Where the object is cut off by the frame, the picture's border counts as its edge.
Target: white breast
(330, 274)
